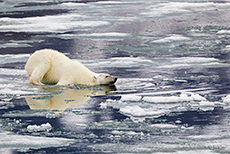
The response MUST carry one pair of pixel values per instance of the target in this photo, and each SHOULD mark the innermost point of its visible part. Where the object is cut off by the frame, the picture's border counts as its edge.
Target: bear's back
(52, 54)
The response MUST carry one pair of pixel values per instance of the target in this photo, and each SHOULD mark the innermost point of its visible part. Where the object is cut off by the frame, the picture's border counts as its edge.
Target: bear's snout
(115, 79)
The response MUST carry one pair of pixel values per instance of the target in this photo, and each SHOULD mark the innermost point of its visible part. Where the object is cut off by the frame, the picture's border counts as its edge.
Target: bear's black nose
(112, 82)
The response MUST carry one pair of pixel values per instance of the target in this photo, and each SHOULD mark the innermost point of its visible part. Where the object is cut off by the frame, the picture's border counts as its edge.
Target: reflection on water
(66, 97)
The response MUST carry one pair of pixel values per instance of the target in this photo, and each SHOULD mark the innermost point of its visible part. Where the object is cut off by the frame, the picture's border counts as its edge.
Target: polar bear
(52, 67)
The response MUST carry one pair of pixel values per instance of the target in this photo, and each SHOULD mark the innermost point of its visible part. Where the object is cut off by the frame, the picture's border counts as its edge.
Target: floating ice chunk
(187, 128)
(165, 126)
(197, 97)
(55, 23)
(174, 7)
(117, 132)
(171, 38)
(175, 66)
(161, 99)
(7, 91)
(226, 99)
(134, 133)
(227, 47)
(111, 34)
(223, 32)
(206, 103)
(198, 137)
(26, 142)
(103, 105)
(44, 127)
(138, 111)
(130, 98)
(168, 99)
(109, 2)
(71, 4)
(194, 60)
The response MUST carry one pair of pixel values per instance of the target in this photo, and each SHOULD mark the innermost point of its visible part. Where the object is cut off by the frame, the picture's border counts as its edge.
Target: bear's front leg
(38, 73)
(64, 82)
(36, 82)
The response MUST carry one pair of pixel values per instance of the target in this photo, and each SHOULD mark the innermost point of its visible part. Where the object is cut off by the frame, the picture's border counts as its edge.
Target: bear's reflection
(64, 98)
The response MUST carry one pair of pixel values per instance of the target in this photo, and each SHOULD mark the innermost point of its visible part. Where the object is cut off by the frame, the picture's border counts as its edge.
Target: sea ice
(111, 34)
(130, 98)
(164, 126)
(167, 99)
(226, 99)
(171, 38)
(138, 111)
(24, 142)
(44, 127)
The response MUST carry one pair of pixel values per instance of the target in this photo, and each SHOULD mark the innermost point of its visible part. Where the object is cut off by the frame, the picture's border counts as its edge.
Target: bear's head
(102, 79)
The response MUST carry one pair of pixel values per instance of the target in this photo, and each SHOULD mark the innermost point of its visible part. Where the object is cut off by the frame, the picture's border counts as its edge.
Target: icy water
(171, 58)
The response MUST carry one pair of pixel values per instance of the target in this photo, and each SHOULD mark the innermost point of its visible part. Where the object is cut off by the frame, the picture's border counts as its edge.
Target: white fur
(51, 66)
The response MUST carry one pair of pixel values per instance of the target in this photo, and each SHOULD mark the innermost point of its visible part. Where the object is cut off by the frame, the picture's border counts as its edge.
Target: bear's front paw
(36, 82)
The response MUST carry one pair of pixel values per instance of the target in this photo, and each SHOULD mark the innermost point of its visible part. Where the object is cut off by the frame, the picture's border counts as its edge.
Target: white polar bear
(53, 67)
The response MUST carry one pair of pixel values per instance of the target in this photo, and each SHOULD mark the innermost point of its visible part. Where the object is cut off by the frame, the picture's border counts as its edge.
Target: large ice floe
(139, 108)
(25, 142)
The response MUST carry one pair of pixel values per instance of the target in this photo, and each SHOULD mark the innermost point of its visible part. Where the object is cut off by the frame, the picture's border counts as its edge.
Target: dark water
(171, 58)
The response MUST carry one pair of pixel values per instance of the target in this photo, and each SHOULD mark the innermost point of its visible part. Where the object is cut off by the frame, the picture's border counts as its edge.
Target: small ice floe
(185, 62)
(227, 47)
(42, 128)
(223, 32)
(130, 98)
(138, 111)
(110, 34)
(115, 132)
(172, 38)
(25, 143)
(226, 99)
(204, 137)
(54, 23)
(14, 92)
(206, 105)
(164, 126)
(167, 99)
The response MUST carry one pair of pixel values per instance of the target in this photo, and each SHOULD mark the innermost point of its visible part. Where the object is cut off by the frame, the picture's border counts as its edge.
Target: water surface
(171, 58)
